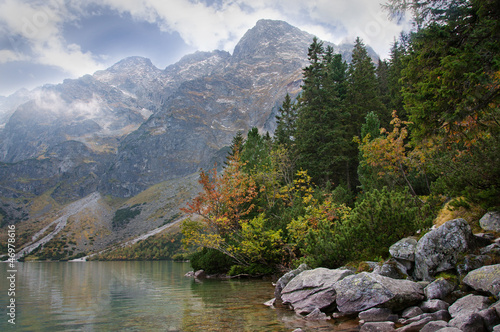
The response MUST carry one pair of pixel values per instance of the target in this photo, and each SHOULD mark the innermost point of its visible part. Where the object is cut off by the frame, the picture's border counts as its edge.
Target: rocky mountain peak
(271, 38)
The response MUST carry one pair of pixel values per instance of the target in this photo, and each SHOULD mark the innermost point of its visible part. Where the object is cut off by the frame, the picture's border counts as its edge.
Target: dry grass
(472, 213)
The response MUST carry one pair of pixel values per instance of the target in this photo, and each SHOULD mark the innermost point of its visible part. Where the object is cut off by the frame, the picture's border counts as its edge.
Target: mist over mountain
(130, 127)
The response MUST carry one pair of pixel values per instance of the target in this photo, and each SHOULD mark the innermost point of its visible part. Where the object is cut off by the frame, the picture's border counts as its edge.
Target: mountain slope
(126, 129)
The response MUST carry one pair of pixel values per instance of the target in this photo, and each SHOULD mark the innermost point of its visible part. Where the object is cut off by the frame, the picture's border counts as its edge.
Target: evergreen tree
(369, 131)
(394, 76)
(286, 123)
(256, 151)
(362, 92)
(321, 137)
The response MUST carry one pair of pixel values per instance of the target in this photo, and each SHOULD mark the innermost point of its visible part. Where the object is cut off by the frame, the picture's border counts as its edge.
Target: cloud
(221, 25)
(39, 24)
(35, 30)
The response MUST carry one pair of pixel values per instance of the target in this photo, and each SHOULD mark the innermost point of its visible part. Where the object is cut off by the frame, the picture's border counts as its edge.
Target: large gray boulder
(285, 279)
(490, 222)
(486, 279)
(363, 291)
(438, 289)
(439, 250)
(404, 249)
(313, 289)
(469, 304)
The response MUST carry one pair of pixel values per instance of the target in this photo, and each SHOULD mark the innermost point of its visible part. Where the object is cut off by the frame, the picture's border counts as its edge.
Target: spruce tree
(321, 135)
(362, 92)
(286, 123)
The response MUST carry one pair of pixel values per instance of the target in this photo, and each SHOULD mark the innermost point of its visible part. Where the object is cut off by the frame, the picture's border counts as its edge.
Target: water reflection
(140, 296)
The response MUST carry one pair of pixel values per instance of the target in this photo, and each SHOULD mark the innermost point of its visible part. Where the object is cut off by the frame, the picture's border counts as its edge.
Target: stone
(392, 269)
(313, 289)
(438, 315)
(438, 289)
(270, 303)
(450, 329)
(490, 222)
(415, 326)
(496, 306)
(466, 322)
(377, 315)
(377, 327)
(440, 249)
(317, 314)
(492, 249)
(468, 305)
(285, 279)
(490, 318)
(434, 326)
(472, 262)
(200, 274)
(434, 305)
(363, 291)
(411, 312)
(486, 279)
(404, 249)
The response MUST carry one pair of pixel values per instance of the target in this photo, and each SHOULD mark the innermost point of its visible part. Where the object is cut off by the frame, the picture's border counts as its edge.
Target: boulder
(200, 274)
(486, 279)
(411, 312)
(439, 249)
(450, 329)
(377, 315)
(377, 327)
(415, 326)
(434, 305)
(491, 250)
(438, 289)
(490, 222)
(317, 314)
(472, 322)
(472, 262)
(496, 306)
(490, 318)
(285, 279)
(363, 291)
(404, 249)
(392, 269)
(468, 305)
(434, 326)
(313, 289)
(438, 315)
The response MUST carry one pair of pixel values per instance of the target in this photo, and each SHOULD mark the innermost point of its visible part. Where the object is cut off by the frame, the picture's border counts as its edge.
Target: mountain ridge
(132, 126)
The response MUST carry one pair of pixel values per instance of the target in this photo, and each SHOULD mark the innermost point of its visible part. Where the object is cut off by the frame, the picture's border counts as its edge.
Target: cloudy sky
(45, 41)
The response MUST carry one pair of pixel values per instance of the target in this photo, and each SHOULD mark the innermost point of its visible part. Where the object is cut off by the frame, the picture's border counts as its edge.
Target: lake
(140, 296)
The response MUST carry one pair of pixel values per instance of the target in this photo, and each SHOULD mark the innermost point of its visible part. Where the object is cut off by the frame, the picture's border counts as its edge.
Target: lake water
(140, 296)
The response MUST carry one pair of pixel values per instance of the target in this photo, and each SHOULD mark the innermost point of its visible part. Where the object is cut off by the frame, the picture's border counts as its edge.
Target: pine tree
(286, 123)
(362, 92)
(321, 138)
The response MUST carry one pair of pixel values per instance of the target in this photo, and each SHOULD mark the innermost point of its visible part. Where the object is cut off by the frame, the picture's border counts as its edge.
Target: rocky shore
(448, 280)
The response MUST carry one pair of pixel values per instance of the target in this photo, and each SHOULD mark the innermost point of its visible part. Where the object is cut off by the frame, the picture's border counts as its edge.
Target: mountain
(122, 131)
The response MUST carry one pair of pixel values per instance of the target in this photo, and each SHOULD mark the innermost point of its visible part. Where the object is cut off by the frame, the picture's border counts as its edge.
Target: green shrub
(382, 218)
(211, 261)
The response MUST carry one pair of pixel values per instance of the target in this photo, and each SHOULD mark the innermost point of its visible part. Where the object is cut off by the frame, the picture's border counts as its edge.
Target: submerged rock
(363, 291)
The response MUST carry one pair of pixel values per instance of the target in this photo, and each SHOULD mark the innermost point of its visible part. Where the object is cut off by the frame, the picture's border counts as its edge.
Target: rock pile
(418, 289)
